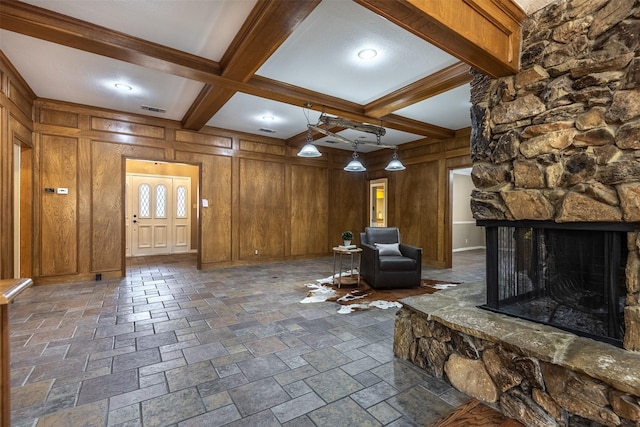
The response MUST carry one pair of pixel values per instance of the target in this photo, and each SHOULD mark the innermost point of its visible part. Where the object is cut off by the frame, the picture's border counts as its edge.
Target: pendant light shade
(395, 164)
(355, 165)
(308, 149)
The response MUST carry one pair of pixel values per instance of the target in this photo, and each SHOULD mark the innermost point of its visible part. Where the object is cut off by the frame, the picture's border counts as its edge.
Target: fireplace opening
(571, 276)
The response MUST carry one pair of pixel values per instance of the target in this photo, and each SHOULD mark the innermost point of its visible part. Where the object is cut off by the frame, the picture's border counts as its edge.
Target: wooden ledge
(11, 288)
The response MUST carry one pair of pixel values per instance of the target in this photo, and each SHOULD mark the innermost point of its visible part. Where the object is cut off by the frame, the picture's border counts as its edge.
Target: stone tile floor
(172, 346)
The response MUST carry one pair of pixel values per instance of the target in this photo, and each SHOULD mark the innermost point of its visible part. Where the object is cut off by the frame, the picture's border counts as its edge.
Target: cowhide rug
(363, 297)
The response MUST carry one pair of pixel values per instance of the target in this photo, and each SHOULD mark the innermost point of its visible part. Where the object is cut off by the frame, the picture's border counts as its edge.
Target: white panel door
(151, 215)
(181, 219)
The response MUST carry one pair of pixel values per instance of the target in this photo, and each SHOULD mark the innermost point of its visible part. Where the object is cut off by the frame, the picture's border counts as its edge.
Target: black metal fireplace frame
(612, 251)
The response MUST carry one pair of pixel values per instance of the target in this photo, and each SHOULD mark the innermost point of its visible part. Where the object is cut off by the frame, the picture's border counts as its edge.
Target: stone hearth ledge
(456, 308)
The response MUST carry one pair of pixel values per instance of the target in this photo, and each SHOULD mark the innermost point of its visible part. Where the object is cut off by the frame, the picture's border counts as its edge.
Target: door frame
(374, 184)
(22, 199)
(194, 199)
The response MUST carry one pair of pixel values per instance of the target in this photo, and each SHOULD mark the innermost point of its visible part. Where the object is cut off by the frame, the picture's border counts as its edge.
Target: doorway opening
(161, 215)
(22, 209)
(378, 203)
(465, 234)
(465, 238)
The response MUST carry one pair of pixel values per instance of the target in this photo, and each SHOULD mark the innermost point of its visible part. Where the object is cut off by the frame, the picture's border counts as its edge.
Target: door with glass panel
(181, 236)
(157, 215)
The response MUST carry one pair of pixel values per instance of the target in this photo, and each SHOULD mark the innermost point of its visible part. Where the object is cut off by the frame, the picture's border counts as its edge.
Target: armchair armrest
(369, 254)
(368, 262)
(411, 252)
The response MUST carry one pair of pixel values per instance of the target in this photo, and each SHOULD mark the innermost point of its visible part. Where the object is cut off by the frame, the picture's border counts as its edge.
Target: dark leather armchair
(386, 262)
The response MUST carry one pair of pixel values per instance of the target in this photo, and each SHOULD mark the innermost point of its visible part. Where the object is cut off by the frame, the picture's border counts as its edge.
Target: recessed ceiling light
(123, 86)
(367, 54)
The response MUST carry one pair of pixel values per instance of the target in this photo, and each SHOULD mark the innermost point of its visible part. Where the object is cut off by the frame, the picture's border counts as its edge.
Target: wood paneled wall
(261, 195)
(16, 125)
(419, 198)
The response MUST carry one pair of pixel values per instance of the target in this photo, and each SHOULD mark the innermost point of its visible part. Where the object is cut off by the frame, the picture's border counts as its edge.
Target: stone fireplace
(556, 152)
(560, 141)
(571, 276)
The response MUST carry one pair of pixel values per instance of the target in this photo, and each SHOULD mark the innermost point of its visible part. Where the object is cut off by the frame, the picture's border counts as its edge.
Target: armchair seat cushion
(397, 263)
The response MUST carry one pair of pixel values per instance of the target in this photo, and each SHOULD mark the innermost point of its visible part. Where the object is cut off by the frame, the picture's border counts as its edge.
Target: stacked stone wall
(560, 140)
(537, 393)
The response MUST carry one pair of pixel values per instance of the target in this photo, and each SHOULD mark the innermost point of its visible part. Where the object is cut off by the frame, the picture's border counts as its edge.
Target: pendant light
(355, 165)
(395, 164)
(308, 149)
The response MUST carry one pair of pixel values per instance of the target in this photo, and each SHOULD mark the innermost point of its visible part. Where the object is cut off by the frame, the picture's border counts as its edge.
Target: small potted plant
(346, 237)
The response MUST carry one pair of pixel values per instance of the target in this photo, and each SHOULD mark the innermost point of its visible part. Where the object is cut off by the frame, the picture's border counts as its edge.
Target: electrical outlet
(256, 252)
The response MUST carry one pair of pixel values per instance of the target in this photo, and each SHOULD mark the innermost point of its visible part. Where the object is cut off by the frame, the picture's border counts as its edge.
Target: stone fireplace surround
(559, 141)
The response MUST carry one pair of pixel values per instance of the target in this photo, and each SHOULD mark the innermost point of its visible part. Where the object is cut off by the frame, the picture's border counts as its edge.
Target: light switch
(63, 191)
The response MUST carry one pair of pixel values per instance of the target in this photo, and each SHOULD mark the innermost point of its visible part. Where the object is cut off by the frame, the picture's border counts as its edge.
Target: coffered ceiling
(245, 65)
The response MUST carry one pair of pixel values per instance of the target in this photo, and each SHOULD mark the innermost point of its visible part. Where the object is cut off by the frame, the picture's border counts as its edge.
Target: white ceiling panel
(449, 109)
(322, 55)
(246, 113)
(70, 75)
(201, 27)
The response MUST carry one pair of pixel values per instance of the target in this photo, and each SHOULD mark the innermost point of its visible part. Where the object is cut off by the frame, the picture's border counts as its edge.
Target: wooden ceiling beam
(482, 33)
(294, 95)
(259, 38)
(54, 27)
(432, 85)
(264, 30)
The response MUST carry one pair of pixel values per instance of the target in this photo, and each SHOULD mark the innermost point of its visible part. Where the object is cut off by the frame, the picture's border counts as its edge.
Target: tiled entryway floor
(172, 346)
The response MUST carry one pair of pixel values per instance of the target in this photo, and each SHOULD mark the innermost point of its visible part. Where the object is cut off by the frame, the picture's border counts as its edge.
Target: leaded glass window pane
(181, 202)
(145, 200)
(161, 201)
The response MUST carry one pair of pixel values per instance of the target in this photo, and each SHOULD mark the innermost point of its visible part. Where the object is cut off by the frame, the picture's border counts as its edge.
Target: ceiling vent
(265, 130)
(153, 109)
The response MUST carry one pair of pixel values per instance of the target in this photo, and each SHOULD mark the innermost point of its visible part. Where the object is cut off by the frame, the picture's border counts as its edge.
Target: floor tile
(344, 412)
(258, 395)
(296, 407)
(333, 385)
(172, 408)
(172, 346)
(106, 386)
(423, 407)
(261, 367)
(190, 375)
